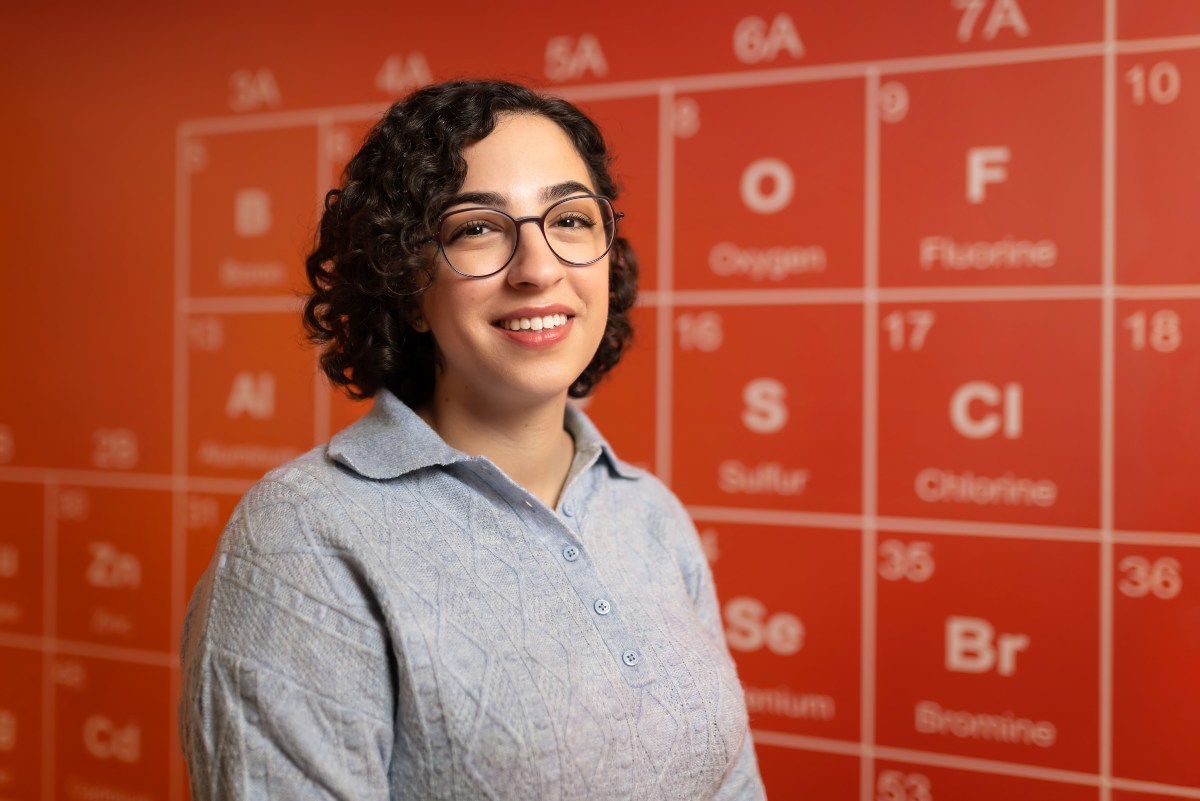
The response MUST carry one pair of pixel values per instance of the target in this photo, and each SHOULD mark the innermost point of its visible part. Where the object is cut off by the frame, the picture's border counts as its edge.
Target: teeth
(534, 323)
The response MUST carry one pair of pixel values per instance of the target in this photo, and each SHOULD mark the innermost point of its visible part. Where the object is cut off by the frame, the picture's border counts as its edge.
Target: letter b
(1008, 417)
(973, 647)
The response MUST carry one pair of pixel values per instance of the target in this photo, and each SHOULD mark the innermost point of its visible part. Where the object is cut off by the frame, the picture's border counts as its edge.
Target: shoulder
(300, 496)
(647, 491)
(287, 562)
(302, 538)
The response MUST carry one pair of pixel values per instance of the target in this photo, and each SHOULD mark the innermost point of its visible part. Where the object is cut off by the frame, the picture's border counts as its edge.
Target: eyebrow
(565, 189)
(496, 200)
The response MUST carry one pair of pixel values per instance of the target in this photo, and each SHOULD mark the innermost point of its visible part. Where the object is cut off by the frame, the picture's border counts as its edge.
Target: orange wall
(917, 346)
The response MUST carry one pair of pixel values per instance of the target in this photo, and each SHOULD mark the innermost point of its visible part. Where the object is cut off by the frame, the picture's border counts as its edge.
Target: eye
(573, 219)
(469, 229)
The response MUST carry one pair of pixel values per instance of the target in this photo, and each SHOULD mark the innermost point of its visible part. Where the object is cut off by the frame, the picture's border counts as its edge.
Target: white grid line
(995, 767)
(787, 296)
(935, 759)
(928, 525)
(665, 365)
(990, 529)
(322, 400)
(1163, 538)
(139, 481)
(250, 304)
(821, 745)
(179, 592)
(179, 384)
(1156, 788)
(176, 767)
(56, 647)
(1156, 45)
(651, 87)
(275, 120)
(712, 514)
(1107, 396)
(869, 445)
(180, 406)
(50, 502)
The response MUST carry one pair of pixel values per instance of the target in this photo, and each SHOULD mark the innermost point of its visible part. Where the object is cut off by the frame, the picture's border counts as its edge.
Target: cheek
(444, 304)
(597, 294)
(601, 281)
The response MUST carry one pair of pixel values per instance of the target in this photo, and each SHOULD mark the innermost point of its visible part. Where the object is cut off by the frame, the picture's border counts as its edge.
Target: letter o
(781, 192)
(722, 260)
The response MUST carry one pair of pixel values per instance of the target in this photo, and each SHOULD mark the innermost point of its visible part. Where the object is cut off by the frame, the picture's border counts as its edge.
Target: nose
(534, 264)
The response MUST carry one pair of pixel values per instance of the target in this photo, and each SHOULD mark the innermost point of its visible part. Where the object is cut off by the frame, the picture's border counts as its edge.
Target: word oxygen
(773, 264)
(770, 478)
(1007, 253)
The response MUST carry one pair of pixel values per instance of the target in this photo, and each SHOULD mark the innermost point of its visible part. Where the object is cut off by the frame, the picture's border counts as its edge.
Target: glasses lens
(580, 229)
(478, 241)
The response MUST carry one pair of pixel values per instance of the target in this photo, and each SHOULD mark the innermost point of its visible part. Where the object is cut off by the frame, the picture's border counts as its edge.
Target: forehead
(524, 154)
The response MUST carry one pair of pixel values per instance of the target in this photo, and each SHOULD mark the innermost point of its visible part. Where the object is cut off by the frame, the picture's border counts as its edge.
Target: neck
(527, 442)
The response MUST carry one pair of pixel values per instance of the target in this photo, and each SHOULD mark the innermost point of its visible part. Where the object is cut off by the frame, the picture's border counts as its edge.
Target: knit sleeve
(287, 684)
(743, 783)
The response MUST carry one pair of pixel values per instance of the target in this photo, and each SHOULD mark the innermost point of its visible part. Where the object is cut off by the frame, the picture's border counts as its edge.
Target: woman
(465, 594)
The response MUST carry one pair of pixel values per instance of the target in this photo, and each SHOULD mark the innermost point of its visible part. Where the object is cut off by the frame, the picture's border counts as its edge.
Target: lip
(536, 311)
(536, 340)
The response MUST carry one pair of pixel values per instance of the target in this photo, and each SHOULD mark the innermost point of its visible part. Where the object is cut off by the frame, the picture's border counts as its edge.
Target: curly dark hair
(372, 259)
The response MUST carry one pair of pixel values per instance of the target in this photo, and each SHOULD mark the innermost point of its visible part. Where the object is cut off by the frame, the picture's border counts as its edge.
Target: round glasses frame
(540, 220)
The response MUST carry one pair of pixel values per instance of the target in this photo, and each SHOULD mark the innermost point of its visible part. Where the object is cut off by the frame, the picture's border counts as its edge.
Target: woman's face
(521, 168)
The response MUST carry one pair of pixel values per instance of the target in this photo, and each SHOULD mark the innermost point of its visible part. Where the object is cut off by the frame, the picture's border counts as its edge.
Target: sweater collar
(392, 440)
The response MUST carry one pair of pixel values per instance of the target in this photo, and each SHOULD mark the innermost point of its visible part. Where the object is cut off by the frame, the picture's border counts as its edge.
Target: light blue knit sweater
(386, 617)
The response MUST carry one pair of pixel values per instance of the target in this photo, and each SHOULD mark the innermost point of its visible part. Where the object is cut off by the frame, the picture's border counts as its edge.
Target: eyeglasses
(478, 242)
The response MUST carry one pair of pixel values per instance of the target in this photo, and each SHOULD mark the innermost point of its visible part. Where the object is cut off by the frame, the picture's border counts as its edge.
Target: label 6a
(568, 58)
(755, 40)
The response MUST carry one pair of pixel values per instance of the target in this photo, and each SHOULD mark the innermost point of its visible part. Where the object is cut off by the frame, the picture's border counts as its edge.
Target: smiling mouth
(534, 323)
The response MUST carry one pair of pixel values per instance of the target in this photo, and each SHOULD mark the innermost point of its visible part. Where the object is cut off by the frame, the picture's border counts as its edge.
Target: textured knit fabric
(387, 617)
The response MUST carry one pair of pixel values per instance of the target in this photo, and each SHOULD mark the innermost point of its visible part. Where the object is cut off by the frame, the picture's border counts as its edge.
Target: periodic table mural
(918, 345)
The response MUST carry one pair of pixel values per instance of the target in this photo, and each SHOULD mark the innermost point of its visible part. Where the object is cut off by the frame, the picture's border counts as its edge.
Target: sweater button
(602, 606)
(631, 657)
(570, 553)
